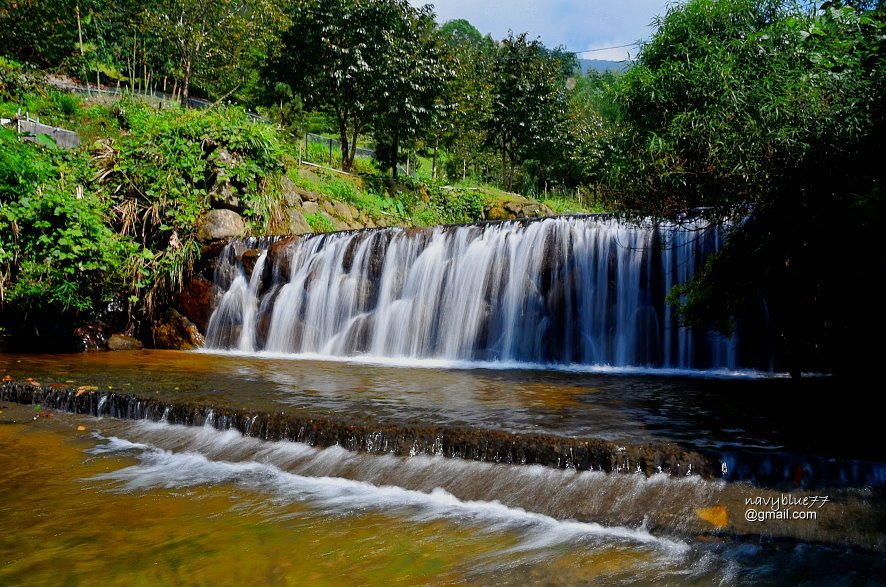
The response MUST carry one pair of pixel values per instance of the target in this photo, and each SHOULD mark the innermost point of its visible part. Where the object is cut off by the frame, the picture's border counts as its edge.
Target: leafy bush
(57, 252)
(16, 79)
(163, 172)
(456, 206)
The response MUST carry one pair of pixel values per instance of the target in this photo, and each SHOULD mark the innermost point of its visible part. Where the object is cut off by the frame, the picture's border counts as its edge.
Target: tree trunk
(395, 147)
(353, 154)
(343, 141)
(504, 166)
(434, 163)
(80, 32)
(186, 83)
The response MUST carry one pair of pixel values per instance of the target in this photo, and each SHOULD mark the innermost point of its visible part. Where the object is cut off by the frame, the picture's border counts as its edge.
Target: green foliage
(67, 104)
(16, 79)
(528, 103)
(357, 60)
(165, 173)
(319, 222)
(215, 42)
(562, 204)
(458, 206)
(772, 117)
(414, 98)
(57, 252)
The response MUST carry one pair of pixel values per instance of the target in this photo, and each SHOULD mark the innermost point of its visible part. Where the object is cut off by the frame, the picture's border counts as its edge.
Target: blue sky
(577, 24)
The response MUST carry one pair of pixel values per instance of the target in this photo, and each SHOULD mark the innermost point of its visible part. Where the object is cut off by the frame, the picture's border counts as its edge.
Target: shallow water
(697, 412)
(123, 503)
(131, 503)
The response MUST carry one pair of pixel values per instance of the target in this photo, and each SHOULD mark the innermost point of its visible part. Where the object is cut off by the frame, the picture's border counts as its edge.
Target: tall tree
(467, 94)
(348, 57)
(218, 39)
(772, 117)
(528, 102)
(40, 31)
(413, 100)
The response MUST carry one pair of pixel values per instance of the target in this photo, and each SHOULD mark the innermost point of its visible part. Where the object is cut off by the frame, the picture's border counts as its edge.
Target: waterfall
(567, 290)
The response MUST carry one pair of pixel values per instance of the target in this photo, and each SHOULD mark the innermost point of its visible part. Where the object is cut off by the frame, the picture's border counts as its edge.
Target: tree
(460, 127)
(40, 31)
(590, 132)
(412, 100)
(528, 102)
(218, 40)
(348, 57)
(771, 118)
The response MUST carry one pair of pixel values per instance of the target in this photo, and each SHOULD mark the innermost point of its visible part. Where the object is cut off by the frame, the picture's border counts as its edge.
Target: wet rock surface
(90, 337)
(176, 332)
(360, 436)
(122, 342)
(198, 299)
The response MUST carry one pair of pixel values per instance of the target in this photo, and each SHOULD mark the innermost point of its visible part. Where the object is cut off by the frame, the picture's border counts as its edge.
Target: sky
(576, 24)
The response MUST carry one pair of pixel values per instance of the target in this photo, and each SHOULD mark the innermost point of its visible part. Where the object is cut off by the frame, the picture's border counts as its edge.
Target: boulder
(121, 342)
(297, 222)
(290, 192)
(90, 337)
(344, 211)
(175, 331)
(514, 207)
(221, 224)
(328, 207)
(307, 195)
(310, 207)
(223, 195)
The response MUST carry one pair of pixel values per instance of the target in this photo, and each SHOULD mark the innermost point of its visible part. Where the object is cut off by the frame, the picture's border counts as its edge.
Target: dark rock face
(198, 299)
(176, 332)
(279, 259)
(248, 260)
(121, 342)
(90, 337)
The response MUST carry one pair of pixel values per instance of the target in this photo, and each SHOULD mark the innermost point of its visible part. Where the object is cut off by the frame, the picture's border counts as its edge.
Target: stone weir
(782, 471)
(410, 440)
(585, 290)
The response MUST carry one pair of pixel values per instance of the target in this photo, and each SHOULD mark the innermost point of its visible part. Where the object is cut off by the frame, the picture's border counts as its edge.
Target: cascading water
(569, 290)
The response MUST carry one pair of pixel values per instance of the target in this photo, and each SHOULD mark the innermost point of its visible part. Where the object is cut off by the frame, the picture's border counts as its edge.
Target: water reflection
(699, 413)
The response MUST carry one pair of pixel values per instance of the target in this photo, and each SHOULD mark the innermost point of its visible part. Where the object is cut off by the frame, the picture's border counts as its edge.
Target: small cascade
(566, 290)
(762, 468)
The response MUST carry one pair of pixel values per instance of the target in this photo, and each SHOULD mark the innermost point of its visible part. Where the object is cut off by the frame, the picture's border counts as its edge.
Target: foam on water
(419, 363)
(263, 467)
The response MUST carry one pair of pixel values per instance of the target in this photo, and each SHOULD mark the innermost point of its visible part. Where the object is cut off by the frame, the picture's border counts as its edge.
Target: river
(91, 500)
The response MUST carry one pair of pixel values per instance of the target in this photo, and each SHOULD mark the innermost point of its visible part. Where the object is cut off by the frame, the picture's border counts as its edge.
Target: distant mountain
(602, 65)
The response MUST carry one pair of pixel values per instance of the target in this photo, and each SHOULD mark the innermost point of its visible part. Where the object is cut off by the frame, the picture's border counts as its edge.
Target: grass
(319, 222)
(567, 205)
(68, 111)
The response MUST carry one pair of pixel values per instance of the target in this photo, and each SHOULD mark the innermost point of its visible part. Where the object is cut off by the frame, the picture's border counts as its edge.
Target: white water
(296, 472)
(574, 292)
